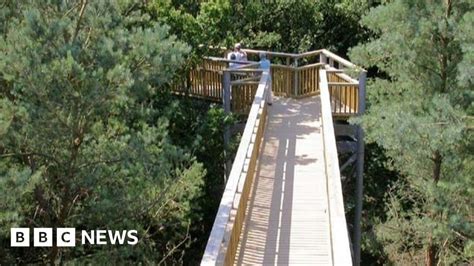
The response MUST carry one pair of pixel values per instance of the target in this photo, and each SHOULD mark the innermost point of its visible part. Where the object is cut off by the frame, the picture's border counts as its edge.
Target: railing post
(331, 62)
(226, 102)
(295, 78)
(359, 170)
(322, 58)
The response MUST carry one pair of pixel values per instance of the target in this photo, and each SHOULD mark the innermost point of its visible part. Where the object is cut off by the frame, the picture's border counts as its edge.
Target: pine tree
(82, 143)
(421, 114)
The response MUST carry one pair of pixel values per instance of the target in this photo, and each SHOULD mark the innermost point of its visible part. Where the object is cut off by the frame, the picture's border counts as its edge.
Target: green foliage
(283, 25)
(180, 18)
(82, 142)
(300, 26)
(377, 181)
(420, 116)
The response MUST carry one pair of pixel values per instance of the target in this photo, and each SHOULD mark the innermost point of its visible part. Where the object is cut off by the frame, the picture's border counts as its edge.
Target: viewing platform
(283, 202)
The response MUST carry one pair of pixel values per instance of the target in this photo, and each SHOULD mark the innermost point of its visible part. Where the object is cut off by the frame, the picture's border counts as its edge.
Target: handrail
(214, 253)
(310, 53)
(338, 59)
(252, 64)
(254, 51)
(341, 253)
(341, 73)
(310, 66)
(220, 59)
(325, 52)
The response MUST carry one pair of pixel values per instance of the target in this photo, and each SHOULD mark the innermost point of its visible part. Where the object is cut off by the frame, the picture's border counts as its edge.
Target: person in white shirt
(239, 53)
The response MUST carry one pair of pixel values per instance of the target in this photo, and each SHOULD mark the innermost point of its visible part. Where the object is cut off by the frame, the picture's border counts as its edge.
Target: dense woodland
(91, 137)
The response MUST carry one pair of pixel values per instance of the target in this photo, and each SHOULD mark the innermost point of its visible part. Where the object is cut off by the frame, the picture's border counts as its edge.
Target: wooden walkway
(287, 220)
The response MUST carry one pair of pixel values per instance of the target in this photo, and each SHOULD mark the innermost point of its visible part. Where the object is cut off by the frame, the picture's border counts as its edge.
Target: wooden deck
(287, 220)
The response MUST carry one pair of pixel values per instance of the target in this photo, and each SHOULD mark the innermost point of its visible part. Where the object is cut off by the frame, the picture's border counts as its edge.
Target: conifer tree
(81, 142)
(421, 114)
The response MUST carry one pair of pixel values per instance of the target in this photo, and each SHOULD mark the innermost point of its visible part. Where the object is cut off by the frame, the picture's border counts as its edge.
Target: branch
(100, 162)
(30, 154)
(86, 43)
(175, 247)
(70, 10)
(81, 15)
(132, 7)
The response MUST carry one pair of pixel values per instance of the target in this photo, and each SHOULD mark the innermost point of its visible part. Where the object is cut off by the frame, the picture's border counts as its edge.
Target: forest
(91, 135)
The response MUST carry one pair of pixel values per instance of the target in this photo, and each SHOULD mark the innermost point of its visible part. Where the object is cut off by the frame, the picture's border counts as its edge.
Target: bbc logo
(43, 237)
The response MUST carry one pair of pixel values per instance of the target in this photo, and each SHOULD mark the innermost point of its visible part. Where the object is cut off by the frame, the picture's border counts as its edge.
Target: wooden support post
(226, 102)
(295, 78)
(360, 171)
(331, 62)
(322, 58)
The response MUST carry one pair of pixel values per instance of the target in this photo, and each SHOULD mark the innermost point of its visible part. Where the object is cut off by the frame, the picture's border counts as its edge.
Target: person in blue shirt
(265, 64)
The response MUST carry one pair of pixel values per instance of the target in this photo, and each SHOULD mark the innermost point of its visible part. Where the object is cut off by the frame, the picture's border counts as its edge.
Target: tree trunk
(430, 259)
(437, 160)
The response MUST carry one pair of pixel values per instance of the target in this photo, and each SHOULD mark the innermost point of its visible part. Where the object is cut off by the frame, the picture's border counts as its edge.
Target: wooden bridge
(283, 200)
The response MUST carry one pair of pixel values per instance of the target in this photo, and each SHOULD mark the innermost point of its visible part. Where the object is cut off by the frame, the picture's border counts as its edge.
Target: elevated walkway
(283, 202)
(287, 215)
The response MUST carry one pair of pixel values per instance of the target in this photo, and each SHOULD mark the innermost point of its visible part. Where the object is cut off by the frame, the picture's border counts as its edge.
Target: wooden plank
(256, 52)
(246, 82)
(337, 58)
(335, 71)
(308, 54)
(340, 84)
(315, 65)
(341, 253)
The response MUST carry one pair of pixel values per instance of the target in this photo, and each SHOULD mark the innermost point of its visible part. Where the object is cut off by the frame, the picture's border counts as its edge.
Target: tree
(283, 25)
(421, 115)
(82, 143)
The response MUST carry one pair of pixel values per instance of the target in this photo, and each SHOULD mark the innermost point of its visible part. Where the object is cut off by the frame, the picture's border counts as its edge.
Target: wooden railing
(293, 75)
(244, 84)
(340, 247)
(223, 241)
(308, 79)
(344, 95)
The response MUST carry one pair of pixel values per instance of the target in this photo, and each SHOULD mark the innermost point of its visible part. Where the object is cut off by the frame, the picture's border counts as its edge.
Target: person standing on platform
(239, 53)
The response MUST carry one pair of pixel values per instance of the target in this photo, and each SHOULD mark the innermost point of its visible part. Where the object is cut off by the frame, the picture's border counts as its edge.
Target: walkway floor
(287, 218)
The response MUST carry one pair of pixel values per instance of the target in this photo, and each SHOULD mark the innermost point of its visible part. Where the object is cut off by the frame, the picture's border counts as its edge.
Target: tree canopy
(421, 115)
(81, 141)
(92, 138)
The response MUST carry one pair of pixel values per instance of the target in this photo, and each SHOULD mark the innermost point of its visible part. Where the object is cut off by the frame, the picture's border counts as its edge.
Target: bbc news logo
(66, 237)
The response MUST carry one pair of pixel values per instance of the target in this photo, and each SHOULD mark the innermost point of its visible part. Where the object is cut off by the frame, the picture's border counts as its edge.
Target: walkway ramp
(283, 201)
(287, 220)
